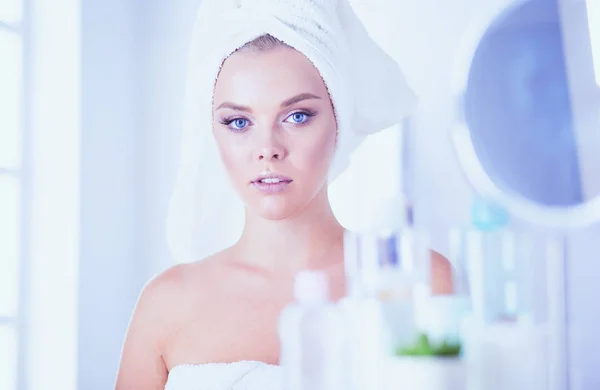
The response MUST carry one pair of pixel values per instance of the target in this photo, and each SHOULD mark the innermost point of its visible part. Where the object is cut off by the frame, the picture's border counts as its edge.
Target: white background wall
(112, 268)
(133, 67)
(132, 81)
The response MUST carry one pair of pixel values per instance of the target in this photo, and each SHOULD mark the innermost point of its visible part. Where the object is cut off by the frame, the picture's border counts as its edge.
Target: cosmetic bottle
(366, 332)
(506, 338)
(311, 337)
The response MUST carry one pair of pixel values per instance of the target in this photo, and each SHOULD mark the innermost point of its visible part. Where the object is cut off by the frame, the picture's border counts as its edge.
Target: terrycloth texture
(245, 375)
(367, 88)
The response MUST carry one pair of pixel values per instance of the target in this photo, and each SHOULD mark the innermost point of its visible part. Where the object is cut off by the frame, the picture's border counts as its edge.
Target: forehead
(265, 78)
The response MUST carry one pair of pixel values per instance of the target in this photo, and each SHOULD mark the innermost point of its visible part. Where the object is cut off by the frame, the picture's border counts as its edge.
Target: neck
(309, 240)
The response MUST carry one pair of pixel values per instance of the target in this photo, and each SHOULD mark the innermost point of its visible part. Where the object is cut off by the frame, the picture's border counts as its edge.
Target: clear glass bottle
(507, 343)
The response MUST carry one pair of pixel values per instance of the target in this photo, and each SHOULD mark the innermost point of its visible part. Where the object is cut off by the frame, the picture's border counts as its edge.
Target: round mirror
(528, 132)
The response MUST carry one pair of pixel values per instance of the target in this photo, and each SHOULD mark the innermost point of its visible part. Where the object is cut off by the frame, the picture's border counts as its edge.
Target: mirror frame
(555, 217)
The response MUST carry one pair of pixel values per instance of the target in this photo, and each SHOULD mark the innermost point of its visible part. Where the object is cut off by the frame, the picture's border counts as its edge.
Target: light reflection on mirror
(593, 17)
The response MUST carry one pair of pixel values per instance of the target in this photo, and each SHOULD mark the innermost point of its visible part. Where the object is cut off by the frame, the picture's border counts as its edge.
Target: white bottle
(310, 333)
(362, 310)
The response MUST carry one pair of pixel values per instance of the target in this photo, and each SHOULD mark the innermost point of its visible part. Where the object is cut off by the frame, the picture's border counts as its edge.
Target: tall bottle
(310, 332)
(362, 310)
(506, 336)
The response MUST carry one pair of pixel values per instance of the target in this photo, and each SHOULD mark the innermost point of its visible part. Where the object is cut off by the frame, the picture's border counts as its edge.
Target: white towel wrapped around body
(243, 375)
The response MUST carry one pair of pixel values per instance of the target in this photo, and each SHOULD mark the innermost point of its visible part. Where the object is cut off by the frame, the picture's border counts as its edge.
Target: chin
(275, 215)
(276, 208)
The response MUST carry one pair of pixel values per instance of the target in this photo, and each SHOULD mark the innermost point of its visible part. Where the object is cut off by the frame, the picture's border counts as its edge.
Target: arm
(142, 365)
(441, 275)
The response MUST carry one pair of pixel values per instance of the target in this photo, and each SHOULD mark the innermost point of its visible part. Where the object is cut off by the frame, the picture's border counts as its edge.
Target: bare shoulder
(162, 306)
(166, 298)
(172, 281)
(178, 287)
(441, 274)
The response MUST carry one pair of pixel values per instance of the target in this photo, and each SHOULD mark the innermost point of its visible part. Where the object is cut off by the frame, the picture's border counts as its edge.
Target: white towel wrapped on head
(367, 88)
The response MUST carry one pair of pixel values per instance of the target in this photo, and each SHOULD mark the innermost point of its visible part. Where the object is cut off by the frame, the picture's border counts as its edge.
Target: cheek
(232, 156)
(318, 154)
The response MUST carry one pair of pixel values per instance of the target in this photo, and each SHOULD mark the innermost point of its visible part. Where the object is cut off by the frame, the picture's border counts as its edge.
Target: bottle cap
(487, 215)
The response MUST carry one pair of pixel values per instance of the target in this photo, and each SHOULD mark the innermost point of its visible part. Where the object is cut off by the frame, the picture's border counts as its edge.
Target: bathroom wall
(132, 79)
(112, 266)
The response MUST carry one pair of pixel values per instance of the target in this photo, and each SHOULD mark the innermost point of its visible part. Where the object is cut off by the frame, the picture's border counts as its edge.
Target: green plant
(423, 347)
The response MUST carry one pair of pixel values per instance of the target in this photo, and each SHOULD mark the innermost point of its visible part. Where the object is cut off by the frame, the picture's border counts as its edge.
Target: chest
(230, 328)
(234, 324)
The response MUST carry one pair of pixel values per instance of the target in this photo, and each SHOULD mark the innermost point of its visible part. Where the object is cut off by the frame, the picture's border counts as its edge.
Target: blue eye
(300, 117)
(235, 124)
(239, 123)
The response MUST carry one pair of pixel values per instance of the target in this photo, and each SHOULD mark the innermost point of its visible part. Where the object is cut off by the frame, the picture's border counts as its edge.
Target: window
(11, 177)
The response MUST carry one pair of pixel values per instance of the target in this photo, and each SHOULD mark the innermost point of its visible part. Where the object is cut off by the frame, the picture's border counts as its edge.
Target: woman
(284, 118)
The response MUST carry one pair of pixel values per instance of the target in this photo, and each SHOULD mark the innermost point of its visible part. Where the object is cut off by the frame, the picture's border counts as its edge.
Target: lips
(271, 183)
(271, 178)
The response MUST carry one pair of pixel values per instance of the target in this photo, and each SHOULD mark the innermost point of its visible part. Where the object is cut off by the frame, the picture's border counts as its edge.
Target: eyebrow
(286, 103)
(298, 98)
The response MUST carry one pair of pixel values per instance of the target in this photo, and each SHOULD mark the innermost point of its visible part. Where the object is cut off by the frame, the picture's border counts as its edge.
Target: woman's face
(275, 128)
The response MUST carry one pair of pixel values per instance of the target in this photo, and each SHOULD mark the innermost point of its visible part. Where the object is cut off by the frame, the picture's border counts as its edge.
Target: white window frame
(48, 358)
(18, 320)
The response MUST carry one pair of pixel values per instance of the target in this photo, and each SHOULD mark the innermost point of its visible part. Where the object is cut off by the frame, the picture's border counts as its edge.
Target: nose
(270, 153)
(271, 149)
